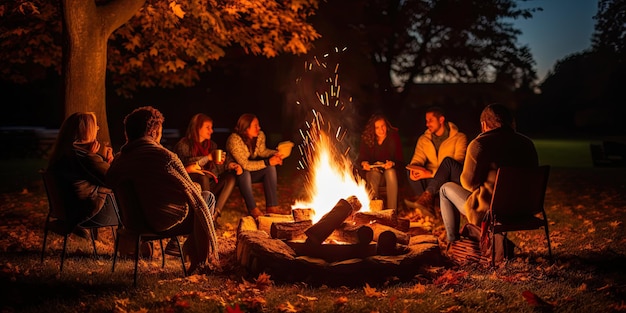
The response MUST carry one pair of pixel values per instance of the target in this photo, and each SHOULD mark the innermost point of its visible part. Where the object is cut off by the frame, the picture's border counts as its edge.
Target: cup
(218, 156)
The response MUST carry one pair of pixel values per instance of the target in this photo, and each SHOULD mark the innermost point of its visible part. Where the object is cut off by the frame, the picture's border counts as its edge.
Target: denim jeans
(452, 197)
(373, 179)
(270, 180)
(449, 171)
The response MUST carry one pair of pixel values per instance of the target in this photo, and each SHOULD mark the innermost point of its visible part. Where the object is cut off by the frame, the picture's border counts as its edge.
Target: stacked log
(317, 233)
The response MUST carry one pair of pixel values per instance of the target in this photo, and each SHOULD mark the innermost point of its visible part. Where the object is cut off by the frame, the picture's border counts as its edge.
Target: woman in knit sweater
(247, 147)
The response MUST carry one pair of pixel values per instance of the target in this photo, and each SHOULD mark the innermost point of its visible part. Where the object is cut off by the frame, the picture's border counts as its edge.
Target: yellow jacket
(426, 156)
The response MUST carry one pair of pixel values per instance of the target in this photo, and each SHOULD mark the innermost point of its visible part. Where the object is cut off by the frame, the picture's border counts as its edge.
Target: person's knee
(445, 187)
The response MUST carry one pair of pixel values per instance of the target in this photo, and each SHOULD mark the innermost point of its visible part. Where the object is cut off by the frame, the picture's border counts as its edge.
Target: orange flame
(331, 180)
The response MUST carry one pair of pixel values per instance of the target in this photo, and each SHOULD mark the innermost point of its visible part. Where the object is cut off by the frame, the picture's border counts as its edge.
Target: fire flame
(331, 179)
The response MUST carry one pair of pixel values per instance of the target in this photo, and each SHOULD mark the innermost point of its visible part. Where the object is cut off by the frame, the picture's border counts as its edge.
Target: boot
(426, 201)
(275, 209)
(256, 213)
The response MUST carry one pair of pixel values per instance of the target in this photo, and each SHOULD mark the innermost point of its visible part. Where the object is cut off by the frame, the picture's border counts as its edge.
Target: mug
(218, 156)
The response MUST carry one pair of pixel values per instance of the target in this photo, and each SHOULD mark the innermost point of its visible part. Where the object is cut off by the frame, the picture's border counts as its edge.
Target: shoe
(410, 204)
(256, 213)
(172, 248)
(278, 210)
(426, 200)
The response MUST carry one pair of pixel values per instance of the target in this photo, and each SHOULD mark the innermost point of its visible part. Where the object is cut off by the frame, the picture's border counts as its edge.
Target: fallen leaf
(454, 308)
(308, 298)
(418, 289)
(582, 287)
(263, 281)
(448, 292)
(341, 301)
(287, 307)
(235, 309)
(534, 299)
(371, 292)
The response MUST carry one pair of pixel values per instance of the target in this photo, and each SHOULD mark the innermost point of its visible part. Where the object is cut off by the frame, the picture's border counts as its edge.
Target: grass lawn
(586, 207)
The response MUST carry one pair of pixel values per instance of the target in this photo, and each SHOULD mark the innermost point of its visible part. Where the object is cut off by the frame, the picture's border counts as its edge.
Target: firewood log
(386, 217)
(344, 208)
(357, 234)
(265, 221)
(290, 230)
(303, 214)
(402, 237)
(386, 244)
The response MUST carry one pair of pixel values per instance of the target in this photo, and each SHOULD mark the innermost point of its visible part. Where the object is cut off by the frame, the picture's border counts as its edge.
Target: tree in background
(585, 90)
(392, 45)
(141, 43)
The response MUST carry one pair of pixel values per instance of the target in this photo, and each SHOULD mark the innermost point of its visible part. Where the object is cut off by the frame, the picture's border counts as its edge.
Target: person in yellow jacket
(442, 139)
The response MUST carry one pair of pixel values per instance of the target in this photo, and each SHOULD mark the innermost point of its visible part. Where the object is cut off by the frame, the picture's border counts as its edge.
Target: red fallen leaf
(534, 299)
(181, 304)
(236, 309)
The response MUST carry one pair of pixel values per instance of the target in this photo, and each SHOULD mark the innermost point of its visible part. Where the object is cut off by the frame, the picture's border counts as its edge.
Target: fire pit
(344, 247)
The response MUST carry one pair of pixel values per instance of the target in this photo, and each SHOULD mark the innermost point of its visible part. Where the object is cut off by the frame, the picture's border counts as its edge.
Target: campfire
(337, 226)
(336, 223)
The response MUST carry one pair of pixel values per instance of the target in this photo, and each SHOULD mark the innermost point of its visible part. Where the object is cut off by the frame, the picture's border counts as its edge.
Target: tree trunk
(87, 28)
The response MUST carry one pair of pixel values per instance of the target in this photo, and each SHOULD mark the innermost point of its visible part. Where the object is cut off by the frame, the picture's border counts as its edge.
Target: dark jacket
(166, 193)
(80, 177)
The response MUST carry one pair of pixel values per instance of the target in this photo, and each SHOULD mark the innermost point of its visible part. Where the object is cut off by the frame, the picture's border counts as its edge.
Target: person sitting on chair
(498, 145)
(79, 168)
(164, 189)
(196, 150)
(380, 154)
(442, 139)
(247, 146)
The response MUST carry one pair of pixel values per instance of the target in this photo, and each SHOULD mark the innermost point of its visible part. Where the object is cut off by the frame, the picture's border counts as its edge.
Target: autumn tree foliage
(141, 43)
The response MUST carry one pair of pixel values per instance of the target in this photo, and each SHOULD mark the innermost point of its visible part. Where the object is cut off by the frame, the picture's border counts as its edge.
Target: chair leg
(113, 233)
(63, 252)
(93, 242)
(548, 240)
(493, 250)
(182, 257)
(162, 253)
(45, 237)
(115, 247)
(137, 251)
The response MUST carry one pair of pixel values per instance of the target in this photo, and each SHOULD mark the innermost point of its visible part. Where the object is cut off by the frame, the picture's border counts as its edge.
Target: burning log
(290, 230)
(303, 214)
(402, 237)
(317, 233)
(358, 234)
(386, 217)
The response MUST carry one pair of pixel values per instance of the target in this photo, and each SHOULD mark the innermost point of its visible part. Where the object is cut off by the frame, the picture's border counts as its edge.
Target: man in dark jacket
(498, 145)
(166, 193)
